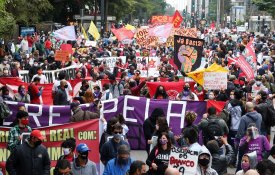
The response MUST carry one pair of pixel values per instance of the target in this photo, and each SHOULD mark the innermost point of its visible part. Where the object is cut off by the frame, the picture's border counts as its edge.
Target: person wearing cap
(30, 158)
(119, 165)
(81, 164)
(80, 115)
(15, 133)
(109, 150)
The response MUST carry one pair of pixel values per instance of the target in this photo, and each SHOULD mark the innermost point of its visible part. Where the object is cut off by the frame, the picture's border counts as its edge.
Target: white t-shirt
(43, 78)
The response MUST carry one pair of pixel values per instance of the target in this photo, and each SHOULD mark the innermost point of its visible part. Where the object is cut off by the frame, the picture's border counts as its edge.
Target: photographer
(220, 162)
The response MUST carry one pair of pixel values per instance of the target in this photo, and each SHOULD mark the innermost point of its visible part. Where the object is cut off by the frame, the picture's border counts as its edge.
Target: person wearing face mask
(158, 158)
(6, 73)
(15, 134)
(3, 65)
(33, 69)
(187, 94)
(22, 95)
(109, 149)
(43, 78)
(119, 165)
(82, 165)
(160, 93)
(68, 147)
(60, 97)
(5, 93)
(30, 157)
(69, 90)
(137, 168)
(253, 141)
(205, 163)
(249, 161)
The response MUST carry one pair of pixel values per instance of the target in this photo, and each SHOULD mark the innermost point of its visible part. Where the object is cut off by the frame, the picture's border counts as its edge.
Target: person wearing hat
(15, 134)
(119, 165)
(81, 164)
(205, 163)
(30, 158)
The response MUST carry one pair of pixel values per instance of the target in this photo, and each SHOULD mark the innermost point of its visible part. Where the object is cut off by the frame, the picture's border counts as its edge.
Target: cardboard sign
(62, 55)
(215, 80)
(184, 160)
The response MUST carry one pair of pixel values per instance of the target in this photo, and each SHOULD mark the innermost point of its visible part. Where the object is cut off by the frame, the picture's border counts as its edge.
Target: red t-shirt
(48, 44)
(34, 93)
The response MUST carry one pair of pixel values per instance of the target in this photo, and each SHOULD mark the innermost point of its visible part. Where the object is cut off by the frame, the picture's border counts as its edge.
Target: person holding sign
(205, 163)
(158, 158)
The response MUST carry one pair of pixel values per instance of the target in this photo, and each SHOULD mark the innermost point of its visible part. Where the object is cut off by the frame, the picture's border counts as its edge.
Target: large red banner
(245, 67)
(84, 132)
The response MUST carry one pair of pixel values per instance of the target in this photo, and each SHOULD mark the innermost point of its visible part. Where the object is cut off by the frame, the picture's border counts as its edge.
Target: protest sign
(67, 47)
(188, 32)
(134, 109)
(90, 43)
(161, 19)
(215, 80)
(141, 36)
(245, 67)
(51, 75)
(111, 61)
(188, 53)
(84, 132)
(62, 55)
(184, 160)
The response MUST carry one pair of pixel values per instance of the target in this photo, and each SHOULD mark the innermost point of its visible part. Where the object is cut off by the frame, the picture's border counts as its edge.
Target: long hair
(169, 144)
(88, 96)
(163, 125)
(158, 93)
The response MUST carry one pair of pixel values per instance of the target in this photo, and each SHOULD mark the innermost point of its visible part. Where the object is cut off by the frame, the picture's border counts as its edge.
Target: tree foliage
(27, 12)
(7, 22)
(266, 5)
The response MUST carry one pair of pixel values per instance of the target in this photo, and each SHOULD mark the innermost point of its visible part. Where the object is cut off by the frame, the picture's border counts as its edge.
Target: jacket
(113, 168)
(236, 111)
(209, 170)
(80, 115)
(88, 169)
(252, 162)
(109, 150)
(161, 158)
(262, 109)
(250, 117)
(220, 162)
(14, 133)
(27, 160)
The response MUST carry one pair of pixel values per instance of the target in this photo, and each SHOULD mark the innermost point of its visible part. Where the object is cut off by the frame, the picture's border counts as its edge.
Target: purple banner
(134, 109)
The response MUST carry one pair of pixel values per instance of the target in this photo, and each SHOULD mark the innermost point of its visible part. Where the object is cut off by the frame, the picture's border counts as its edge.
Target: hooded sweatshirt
(252, 162)
(250, 117)
(208, 170)
(89, 168)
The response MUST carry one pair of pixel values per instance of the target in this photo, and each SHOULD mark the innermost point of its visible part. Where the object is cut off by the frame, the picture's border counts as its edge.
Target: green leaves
(266, 5)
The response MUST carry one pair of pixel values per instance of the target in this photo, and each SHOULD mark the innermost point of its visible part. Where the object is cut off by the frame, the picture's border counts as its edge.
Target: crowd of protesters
(239, 136)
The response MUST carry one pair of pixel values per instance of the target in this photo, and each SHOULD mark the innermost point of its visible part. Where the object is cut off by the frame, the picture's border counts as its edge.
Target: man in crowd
(30, 158)
(137, 168)
(80, 115)
(43, 78)
(120, 164)
(63, 167)
(60, 97)
(35, 91)
(69, 89)
(81, 164)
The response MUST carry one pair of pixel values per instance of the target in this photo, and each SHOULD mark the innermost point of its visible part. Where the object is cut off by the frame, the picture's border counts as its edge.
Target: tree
(266, 5)
(7, 22)
(28, 12)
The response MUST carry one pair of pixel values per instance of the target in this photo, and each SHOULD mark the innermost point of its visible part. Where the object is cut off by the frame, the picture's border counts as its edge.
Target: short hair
(106, 86)
(211, 110)
(36, 79)
(136, 165)
(191, 134)
(61, 75)
(69, 143)
(63, 164)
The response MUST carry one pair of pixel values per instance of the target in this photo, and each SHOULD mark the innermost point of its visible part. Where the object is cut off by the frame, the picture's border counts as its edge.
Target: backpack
(213, 128)
(271, 115)
(4, 111)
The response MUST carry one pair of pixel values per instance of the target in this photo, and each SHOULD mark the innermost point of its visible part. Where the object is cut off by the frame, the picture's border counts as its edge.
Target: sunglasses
(118, 132)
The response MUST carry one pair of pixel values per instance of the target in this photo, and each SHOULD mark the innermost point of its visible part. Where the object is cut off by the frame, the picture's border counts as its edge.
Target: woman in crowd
(160, 93)
(249, 161)
(87, 98)
(22, 95)
(5, 93)
(97, 94)
(158, 158)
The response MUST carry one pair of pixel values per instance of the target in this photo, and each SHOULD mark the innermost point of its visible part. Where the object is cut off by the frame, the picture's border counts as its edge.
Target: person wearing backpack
(251, 116)
(265, 107)
(212, 126)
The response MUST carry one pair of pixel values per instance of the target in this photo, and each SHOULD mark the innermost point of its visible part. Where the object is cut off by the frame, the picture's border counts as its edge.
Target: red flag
(123, 34)
(250, 55)
(219, 105)
(177, 19)
(231, 61)
(245, 67)
(67, 47)
(172, 88)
